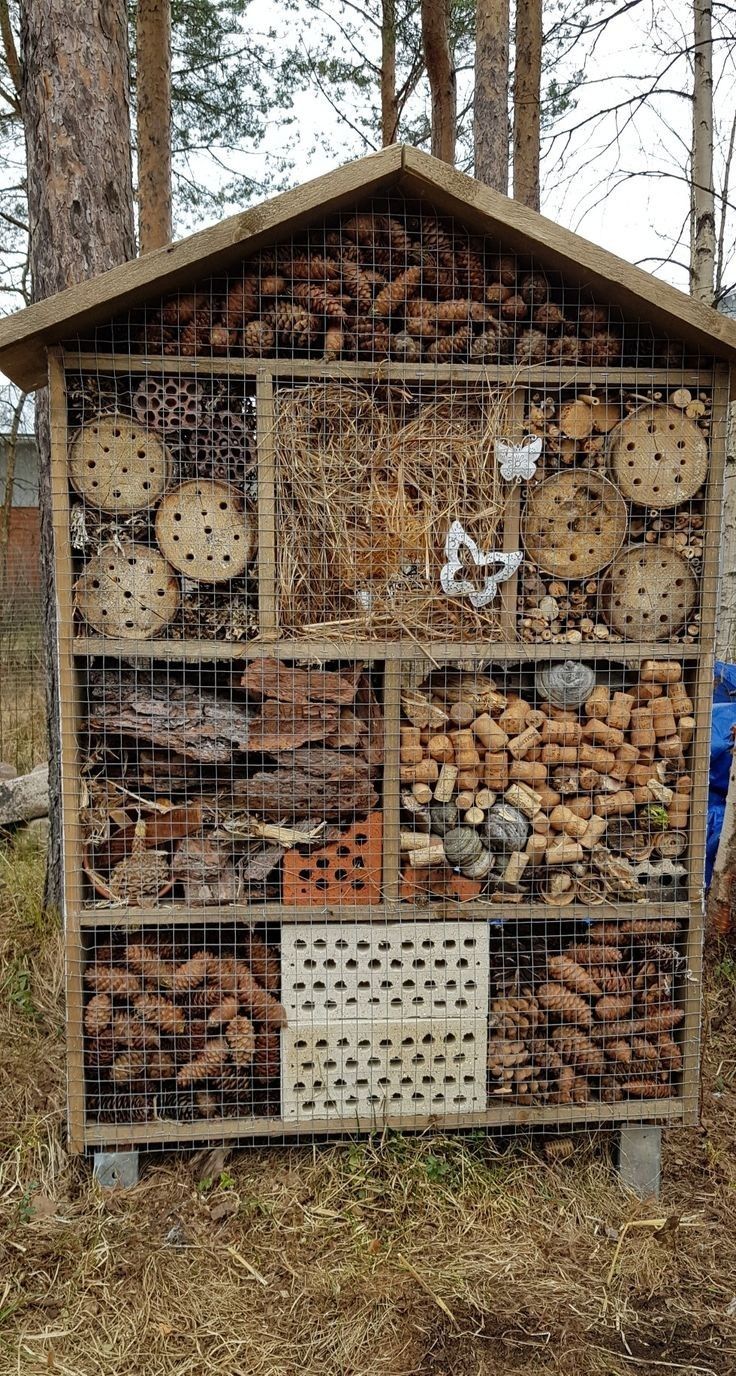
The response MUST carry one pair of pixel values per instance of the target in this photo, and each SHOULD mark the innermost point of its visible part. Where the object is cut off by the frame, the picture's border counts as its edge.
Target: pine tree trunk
(75, 102)
(527, 101)
(389, 109)
(491, 101)
(153, 62)
(441, 75)
(703, 228)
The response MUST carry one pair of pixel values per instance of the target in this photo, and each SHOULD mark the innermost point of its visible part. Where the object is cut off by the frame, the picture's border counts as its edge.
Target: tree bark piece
(153, 62)
(24, 798)
(269, 678)
(703, 224)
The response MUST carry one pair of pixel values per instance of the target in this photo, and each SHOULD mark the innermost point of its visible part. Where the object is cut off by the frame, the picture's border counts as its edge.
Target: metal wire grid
(345, 483)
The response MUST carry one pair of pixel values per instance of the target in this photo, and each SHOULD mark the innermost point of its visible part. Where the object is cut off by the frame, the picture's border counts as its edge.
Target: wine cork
(686, 730)
(599, 702)
(464, 799)
(564, 851)
(440, 748)
(536, 719)
(529, 771)
(462, 714)
(601, 734)
(560, 732)
(513, 719)
(589, 780)
(663, 718)
(485, 798)
(421, 794)
(491, 736)
(473, 816)
(410, 735)
(535, 848)
(468, 779)
(619, 712)
(426, 772)
(582, 807)
(560, 754)
(517, 863)
(519, 745)
(548, 797)
(523, 798)
(681, 702)
(495, 771)
(445, 786)
(679, 811)
(562, 818)
(425, 856)
(660, 671)
(593, 832)
(411, 754)
(596, 757)
(614, 804)
(671, 748)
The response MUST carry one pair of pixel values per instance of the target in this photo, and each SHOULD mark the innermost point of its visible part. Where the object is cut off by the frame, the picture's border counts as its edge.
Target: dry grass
(439, 1256)
(22, 696)
(368, 484)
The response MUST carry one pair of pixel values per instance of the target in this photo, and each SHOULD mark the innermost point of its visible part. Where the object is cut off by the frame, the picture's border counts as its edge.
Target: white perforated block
(333, 972)
(382, 1070)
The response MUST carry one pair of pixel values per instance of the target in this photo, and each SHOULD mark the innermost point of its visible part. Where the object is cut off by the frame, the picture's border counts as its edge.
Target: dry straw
(368, 482)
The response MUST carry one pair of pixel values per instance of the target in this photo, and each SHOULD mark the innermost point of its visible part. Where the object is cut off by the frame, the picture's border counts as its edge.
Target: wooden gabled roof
(25, 336)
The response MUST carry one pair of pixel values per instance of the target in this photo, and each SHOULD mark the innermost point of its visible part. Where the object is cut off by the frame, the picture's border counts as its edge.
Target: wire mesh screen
(387, 576)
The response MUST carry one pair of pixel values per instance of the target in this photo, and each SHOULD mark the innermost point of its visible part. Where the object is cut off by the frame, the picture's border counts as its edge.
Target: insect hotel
(386, 521)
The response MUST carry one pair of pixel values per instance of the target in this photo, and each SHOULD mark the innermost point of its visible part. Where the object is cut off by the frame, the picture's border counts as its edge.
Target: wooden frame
(76, 649)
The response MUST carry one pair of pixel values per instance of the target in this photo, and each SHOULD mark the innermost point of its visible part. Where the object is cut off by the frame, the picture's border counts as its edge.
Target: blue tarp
(724, 721)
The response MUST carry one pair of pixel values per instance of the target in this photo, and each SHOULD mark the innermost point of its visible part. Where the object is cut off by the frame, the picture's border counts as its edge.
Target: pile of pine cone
(172, 1033)
(376, 286)
(592, 1022)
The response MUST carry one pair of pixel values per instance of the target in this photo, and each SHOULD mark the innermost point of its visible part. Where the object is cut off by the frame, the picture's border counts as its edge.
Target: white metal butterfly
(457, 586)
(518, 461)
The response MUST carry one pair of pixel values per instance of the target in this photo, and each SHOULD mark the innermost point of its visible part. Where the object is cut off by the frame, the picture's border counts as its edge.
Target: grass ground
(431, 1255)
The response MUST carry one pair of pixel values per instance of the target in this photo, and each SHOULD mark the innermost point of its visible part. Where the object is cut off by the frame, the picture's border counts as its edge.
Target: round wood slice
(118, 465)
(127, 591)
(574, 524)
(658, 456)
(205, 531)
(577, 418)
(648, 593)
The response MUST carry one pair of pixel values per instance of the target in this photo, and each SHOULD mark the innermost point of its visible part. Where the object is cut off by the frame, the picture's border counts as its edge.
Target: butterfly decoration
(451, 573)
(518, 461)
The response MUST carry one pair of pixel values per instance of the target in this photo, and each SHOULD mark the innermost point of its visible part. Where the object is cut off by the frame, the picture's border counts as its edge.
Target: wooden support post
(267, 571)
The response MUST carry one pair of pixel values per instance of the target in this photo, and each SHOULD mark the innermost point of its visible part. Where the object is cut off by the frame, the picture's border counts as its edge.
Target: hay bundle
(368, 484)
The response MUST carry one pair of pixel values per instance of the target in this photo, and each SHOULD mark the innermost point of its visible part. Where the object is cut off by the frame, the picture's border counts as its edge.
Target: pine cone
(594, 954)
(160, 1012)
(394, 296)
(123, 1108)
(646, 1089)
(318, 300)
(669, 1053)
(503, 269)
(663, 1020)
(334, 342)
(531, 348)
(421, 322)
(548, 317)
(592, 318)
(142, 1065)
(565, 1086)
(577, 1049)
(258, 338)
(611, 981)
(357, 284)
(261, 1005)
(181, 310)
(602, 349)
(223, 1012)
(195, 338)
(222, 339)
(112, 980)
(208, 1063)
(132, 1033)
(98, 1014)
(450, 346)
(193, 972)
(469, 268)
(570, 1007)
(316, 268)
(294, 326)
(462, 311)
(403, 346)
(241, 1039)
(644, 1053)
(534, 287)
(612, 1007)
(572, 975)
(267, 1057)
(493, 343)
(440, 278)
(273, 284)
(620, 1051)
(241, 303)
(264, 964)
(514, 308)
(564, 350)
(372, 339)
(435, 240)
(99, 1050)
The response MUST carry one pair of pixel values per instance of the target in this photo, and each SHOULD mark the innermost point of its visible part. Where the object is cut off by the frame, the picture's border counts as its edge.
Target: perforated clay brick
(382, 1070)
(346, 872)
(395, 970)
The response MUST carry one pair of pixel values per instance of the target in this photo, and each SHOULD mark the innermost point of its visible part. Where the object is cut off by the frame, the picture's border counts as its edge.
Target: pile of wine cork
(521, 798)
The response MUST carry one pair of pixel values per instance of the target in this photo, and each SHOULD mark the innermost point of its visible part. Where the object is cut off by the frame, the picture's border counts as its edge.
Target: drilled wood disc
(127, 591)
(118, 465)
(649, 593)
(574, 524)
(205, 531)
(658, 456)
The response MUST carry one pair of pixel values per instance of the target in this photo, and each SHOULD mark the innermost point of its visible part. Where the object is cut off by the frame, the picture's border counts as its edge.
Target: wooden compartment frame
(76, 649)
